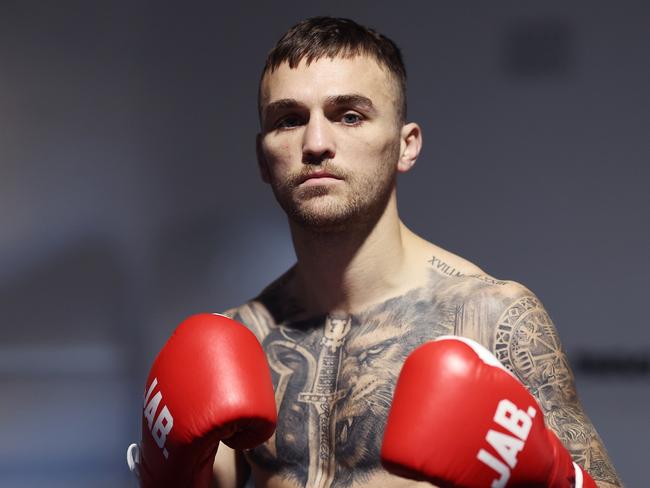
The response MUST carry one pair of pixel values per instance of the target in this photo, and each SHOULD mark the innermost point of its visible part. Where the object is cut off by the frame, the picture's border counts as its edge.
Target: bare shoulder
(511, 321)
(446, 264)
(481, 299)
(269, 309)
(523, 337)
(519, 331)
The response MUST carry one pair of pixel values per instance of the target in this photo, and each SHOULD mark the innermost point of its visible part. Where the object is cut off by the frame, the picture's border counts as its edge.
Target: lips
(318, 175)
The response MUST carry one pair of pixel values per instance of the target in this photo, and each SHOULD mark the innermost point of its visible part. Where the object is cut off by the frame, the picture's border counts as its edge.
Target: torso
(334, 375)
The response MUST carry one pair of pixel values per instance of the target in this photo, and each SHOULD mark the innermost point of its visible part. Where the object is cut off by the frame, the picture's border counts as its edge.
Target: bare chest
(334, 382)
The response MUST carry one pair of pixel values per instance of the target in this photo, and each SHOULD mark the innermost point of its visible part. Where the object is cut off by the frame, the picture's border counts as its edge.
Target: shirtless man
(365, 290)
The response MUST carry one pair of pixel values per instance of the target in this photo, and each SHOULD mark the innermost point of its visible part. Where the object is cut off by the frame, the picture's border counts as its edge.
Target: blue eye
(351, 118)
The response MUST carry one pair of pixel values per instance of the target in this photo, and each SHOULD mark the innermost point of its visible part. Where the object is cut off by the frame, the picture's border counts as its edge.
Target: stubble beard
(321, 209)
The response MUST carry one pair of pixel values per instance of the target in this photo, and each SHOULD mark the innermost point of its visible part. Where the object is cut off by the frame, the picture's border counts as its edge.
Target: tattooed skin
(334, 379)
(526, 342)
(334, 375)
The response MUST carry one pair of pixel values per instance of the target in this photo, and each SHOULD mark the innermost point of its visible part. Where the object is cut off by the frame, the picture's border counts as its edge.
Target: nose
(318, 142)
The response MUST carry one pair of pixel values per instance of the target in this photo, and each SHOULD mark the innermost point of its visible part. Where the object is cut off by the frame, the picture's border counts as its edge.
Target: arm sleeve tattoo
(527, 343)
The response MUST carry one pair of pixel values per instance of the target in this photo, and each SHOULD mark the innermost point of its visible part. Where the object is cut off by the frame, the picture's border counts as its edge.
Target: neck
(346, 270)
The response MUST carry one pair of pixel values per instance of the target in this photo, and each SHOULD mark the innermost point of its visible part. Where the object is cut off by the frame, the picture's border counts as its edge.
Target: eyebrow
(353, 99)
(282, 104)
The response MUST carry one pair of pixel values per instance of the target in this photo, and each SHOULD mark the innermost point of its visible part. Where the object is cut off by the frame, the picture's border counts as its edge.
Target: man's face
(330, 140)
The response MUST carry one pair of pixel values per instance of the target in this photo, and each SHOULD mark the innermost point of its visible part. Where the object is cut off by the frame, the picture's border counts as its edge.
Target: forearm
(230, 469)
(578, 434)
(605, 484)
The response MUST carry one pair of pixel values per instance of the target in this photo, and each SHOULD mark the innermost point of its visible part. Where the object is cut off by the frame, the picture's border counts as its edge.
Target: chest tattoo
(322, 398)
(334, 375)
(334, 378)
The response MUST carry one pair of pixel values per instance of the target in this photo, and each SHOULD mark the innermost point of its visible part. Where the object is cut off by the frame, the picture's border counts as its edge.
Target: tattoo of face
(526, 342)
(334, 379)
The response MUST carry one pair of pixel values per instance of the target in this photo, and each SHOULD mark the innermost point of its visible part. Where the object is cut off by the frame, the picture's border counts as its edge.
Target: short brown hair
(319, 37)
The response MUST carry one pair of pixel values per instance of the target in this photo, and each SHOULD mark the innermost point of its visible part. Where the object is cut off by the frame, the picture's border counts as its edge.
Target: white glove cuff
(578, 471)
(133, 459)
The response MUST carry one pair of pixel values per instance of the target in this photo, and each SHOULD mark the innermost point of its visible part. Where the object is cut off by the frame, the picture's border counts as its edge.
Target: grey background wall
(129, 195)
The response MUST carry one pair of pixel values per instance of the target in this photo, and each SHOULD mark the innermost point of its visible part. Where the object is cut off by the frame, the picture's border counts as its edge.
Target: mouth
(318, 177)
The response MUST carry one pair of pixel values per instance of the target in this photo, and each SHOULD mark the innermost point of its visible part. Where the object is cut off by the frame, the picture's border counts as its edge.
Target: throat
(347, 275)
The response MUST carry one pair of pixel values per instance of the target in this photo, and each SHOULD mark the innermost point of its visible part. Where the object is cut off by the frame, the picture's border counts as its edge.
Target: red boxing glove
(209, 383)
(459, 418)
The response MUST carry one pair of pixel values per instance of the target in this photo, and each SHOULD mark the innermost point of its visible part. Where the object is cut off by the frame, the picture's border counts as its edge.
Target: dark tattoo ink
(323, 397)
(334, 378)
(334, 375)
(443, 267)
(448, 270)
(526, 342)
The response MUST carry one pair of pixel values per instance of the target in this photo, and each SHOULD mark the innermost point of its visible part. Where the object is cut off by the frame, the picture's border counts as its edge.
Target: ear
(410, 146)
(261, 160)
